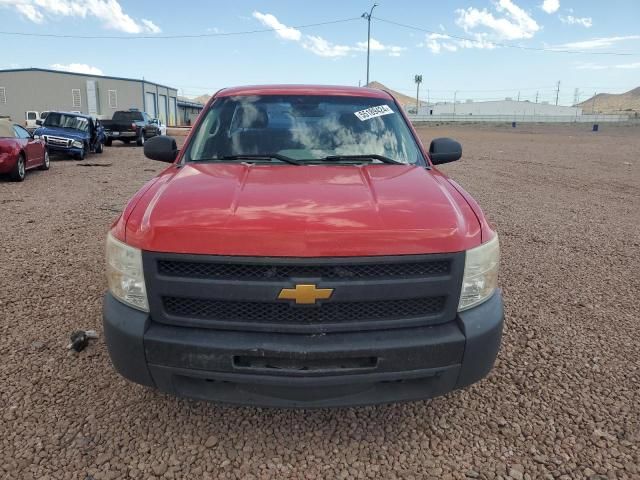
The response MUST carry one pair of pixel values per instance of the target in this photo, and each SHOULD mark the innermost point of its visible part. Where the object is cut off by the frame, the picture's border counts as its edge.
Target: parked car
(155, 128)
(71, 134)
(130, 126)
(20, 152)
(31, 118)
(303, 250)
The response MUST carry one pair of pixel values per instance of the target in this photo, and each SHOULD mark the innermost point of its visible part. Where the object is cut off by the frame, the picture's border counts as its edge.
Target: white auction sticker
(373, 112)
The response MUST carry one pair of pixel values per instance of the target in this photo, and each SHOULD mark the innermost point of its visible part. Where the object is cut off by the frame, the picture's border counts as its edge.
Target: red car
(303, 250)
(20, 152)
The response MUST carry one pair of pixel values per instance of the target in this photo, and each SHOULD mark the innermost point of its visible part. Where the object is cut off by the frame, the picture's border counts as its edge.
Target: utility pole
(455, 94)
(368, 17)
(537, 93)
(518, 95)
(418, 80)
(576, 96)
(557, 91)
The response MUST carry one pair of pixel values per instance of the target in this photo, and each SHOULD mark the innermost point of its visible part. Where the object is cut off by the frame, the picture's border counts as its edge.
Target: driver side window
(21, 132)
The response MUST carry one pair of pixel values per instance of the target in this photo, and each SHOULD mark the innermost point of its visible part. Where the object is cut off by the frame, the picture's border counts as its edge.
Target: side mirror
(161, 148)
(444, 150)
(39, 122)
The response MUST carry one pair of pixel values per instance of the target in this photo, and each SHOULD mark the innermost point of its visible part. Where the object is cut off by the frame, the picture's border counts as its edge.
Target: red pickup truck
(302, 250)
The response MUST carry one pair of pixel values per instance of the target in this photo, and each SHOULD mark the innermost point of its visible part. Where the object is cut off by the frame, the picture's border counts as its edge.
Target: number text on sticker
(373, 112)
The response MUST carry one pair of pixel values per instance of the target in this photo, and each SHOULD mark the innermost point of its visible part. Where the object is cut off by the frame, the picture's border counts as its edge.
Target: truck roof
(304, 90)
(72, 114)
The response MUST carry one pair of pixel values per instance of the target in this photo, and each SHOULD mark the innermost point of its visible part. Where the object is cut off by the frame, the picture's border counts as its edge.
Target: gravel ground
(562, 402)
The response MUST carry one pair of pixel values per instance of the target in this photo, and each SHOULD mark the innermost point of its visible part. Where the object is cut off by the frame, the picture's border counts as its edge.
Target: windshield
(65, 120)
(127, 117)
(304, 128)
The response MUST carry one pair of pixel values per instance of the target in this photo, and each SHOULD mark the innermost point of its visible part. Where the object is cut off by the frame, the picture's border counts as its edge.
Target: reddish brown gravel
(562, 402)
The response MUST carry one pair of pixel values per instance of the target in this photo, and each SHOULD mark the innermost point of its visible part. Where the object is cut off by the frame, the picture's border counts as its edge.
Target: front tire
(20, 170)
(140, 140)
(100, 148)
(45, 164)
(82, 154)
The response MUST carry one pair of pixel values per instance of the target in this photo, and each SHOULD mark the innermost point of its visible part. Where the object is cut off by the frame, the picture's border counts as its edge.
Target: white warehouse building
(499, 107)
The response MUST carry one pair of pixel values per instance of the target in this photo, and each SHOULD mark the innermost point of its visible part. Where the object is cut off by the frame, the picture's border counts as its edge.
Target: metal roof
(33, 69)
(190, 104)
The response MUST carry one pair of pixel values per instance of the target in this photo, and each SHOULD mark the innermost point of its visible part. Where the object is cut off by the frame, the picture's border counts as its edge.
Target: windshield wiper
(262, 156)
(382, 158)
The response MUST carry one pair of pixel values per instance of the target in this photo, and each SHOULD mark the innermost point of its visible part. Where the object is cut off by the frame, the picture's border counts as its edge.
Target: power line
(505, 45)
(169, 37)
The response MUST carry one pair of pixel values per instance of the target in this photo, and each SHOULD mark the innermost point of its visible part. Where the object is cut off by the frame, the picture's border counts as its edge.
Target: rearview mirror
(161, 148)
(444, 150)
(38, 122)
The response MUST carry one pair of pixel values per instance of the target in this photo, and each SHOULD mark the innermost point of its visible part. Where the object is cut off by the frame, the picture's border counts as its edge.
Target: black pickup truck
(130, 126)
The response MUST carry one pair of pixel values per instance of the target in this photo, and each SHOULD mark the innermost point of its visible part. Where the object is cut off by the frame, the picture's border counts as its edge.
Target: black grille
(262, 312)
(239, 271)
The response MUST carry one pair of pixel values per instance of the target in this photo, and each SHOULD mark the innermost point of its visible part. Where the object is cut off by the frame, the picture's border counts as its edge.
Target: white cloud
(150, 26)
(586, 22)
(515, 23)
(592, 66)
(77, 68)
(437, 42)
(595, 43)
(284, 32)
(319, 45)
(377, 46)
(629, 65)
(110, 12)
(30, 12)
(597, 66)
(433, 41)
(324, 48)
(550, 6)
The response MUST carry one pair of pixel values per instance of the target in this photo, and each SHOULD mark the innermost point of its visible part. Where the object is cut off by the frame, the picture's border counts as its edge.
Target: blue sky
(474, 65)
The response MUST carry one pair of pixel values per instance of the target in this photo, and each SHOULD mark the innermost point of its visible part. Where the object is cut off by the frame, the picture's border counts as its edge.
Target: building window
(113, 99)
(75, 95)
(3, 95)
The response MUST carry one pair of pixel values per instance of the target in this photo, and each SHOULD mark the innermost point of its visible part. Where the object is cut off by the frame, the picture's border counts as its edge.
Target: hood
(302, 211)
(62, 132)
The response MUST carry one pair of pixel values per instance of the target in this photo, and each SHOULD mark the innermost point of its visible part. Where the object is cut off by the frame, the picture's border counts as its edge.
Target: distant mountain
(404, 100)
(202, 98)
(628, 102)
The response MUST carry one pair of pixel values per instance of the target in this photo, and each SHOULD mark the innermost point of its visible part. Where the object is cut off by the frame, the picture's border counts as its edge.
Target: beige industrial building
(37, 89)
(188, 111)
(507, 106)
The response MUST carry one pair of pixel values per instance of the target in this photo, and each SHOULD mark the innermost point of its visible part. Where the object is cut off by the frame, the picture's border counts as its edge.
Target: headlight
(78, 144)
(480, 274)
(36, 137)
(125, 275)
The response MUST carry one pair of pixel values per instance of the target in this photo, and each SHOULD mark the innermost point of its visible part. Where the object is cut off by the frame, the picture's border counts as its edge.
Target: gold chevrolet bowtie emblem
(305, 294)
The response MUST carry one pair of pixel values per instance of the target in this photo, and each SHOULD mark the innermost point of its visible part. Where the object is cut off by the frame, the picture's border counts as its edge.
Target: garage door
(172, 112)
(162, 108)
(92, 98)
(150, 104)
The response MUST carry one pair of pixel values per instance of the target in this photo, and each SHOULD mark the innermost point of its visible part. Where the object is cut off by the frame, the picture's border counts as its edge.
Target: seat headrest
(251, 116)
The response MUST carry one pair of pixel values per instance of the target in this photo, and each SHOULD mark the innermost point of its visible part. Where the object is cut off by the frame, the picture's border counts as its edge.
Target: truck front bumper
(59, 150)
(294, 370)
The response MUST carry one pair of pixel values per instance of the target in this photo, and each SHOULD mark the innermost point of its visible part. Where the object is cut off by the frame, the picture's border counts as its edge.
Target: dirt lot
(562, 402)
